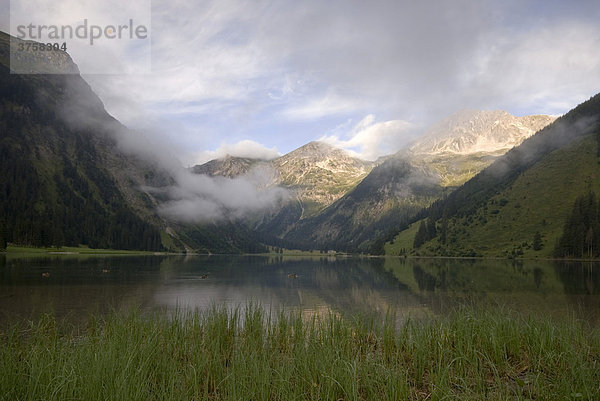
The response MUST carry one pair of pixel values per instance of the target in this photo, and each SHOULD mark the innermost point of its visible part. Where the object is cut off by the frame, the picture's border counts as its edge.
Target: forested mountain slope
(66, 181)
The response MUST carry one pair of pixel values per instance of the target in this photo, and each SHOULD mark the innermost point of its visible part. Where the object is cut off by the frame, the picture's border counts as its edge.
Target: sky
(261, 78)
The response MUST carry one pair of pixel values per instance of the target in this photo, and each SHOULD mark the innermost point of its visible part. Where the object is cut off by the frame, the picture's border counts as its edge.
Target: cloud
(200, 198)
(185, 197)
(240, 69)
(327, 105)
(370, 139)
(543, 69)
(246, 148)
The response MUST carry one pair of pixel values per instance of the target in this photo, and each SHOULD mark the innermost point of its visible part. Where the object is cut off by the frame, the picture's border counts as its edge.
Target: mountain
(447, 155)
(316, 175)
(461, 145)
(524, 202)
(386, 199)
(320, 174)
(228, 166)
(56, 187)
(65, 179)
(474, 131)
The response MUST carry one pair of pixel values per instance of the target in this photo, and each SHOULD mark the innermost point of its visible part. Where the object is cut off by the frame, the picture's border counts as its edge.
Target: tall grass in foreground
(246, 355)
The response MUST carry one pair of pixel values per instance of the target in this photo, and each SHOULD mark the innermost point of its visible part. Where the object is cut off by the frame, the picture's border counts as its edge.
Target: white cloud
(245, 148)
(187, 197)
(370, 139)
(315, 63)
(323, 106)
(550, 69)
(200, 198)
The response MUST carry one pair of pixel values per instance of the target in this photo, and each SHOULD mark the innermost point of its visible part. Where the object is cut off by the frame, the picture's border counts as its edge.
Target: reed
(251, 354)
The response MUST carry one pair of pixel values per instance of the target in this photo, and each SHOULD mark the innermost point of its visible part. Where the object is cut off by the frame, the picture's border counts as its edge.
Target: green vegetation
(456, 169)
(581, 235)
(402, 243)
(247, 354)
(369, 211)
(222, 237)
(65, 182)
(80, 250)
(538, 201)
(54, 189)
(519, 205)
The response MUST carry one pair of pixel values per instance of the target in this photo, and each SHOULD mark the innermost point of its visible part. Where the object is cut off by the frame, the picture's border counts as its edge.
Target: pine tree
(3, 234)
(431, 230)
(580, 236)
(421, 235)
(444, 228)
(537, 241)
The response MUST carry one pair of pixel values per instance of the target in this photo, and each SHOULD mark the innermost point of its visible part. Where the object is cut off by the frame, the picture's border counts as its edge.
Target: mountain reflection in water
(74, 286)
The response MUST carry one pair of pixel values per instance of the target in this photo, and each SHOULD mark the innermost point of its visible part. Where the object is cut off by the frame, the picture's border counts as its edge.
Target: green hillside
(387, 198)
(528, 193)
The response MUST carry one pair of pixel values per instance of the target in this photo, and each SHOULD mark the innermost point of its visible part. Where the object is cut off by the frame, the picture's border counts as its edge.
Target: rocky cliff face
(21, 57)
(461, 145)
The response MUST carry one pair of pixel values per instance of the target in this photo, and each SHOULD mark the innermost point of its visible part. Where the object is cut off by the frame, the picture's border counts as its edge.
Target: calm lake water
(73, 286)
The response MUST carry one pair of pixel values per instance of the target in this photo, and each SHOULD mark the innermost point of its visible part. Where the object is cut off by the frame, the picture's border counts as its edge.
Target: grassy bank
(243, 355)
(71, 250)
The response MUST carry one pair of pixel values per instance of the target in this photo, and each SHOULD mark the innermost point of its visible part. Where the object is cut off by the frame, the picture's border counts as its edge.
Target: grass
(248, 354)
(81, 250)
(403, 242)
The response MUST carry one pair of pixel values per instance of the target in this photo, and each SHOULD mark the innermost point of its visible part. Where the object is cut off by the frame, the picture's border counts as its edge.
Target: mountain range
(478, 183)
(340, 206)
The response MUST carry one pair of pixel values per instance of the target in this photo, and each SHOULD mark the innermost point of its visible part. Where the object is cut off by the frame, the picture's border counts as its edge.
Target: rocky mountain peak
(315, 150)
(317, 172)
(227, 166)
(473, 131)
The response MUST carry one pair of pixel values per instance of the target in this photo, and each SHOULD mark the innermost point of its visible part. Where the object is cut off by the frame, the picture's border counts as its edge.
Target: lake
(73, 286)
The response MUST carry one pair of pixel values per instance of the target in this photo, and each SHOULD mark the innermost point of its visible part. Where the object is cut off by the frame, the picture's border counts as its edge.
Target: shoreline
(84, 251)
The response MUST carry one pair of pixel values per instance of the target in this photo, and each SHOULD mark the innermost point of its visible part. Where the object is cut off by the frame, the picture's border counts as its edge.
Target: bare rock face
(470, 132)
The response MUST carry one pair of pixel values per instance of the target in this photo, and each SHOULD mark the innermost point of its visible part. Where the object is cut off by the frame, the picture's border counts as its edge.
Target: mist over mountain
(446, 156)
(342, 202)
(80, 164)
(314, 175)
(461, 145)
(75, 175)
